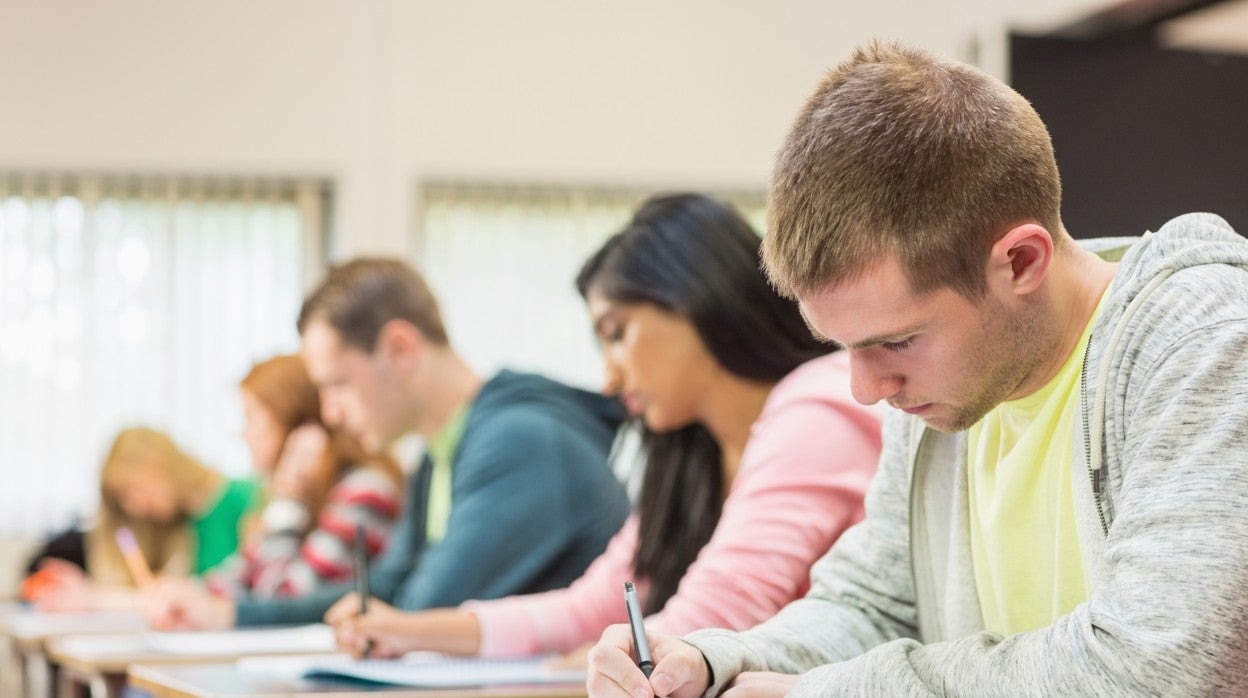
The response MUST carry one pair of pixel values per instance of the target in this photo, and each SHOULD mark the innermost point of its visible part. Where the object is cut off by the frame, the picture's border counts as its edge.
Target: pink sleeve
(562, 619)
(801, 483)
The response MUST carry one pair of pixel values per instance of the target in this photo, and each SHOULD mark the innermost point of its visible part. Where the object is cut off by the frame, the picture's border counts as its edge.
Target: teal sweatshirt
(533, 502)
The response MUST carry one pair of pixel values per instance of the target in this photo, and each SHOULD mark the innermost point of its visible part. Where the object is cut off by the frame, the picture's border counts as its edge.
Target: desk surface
(224, 680)
(112, 654)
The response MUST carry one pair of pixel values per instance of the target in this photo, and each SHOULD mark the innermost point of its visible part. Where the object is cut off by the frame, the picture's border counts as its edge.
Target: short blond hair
(899, 152)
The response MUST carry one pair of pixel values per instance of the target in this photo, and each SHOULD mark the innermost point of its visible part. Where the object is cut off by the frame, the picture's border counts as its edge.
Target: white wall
(378, 94)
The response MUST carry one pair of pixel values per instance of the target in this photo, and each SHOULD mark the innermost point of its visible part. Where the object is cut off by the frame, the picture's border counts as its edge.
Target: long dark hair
(695, 256)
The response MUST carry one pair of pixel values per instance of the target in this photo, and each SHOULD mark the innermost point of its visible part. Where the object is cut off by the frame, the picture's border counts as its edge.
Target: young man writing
(1058, 509)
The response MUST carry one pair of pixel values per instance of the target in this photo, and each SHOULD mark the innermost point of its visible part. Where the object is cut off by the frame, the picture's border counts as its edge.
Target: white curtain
(137, 301)
(503, 262)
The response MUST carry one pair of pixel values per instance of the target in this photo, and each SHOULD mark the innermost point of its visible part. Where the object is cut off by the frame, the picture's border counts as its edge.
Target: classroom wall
(378, 95)
(381, 94)
(14, 551)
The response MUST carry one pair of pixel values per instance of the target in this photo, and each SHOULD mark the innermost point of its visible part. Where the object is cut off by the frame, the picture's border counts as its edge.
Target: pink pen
(134, 557)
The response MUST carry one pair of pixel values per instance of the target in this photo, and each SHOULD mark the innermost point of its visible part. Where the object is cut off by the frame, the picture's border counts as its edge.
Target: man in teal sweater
(514, 494)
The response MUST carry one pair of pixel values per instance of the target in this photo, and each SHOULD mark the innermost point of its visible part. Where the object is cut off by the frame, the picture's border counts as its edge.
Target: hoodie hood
(576, 406)
(1191, 240)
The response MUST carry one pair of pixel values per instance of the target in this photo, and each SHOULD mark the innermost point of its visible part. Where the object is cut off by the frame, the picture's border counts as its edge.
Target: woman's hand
(385, 631)
(298, 466)
(380, 632)
(60, 586)
(181, 604)
(576, 659)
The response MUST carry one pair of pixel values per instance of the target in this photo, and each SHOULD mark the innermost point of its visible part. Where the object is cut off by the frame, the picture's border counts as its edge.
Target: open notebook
(419, 669)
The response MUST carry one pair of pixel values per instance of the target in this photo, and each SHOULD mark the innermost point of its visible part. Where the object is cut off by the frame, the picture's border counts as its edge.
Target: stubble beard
(1011, 346)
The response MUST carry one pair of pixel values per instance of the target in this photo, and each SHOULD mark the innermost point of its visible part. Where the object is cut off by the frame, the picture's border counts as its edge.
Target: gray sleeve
(862, 591)
(1170, 617)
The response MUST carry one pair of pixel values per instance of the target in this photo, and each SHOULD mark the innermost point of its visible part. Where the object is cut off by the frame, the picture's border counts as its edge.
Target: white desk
(26, 634)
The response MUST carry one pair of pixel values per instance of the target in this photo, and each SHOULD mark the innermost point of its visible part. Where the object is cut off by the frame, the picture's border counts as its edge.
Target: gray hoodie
(1161, 490)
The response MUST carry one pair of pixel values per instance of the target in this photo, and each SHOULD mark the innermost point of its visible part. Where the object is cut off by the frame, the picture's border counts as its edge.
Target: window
(137, 301)
(503, 262)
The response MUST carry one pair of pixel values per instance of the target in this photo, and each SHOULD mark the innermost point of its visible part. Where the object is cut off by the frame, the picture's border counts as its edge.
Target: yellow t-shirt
(441, 449)
(1024, 542)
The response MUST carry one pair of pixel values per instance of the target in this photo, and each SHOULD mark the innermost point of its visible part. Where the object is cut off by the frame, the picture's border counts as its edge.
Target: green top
(441, 449)
(217, 534)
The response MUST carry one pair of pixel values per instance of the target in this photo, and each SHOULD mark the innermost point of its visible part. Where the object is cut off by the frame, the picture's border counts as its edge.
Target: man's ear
(401, 344)
(1019, 261)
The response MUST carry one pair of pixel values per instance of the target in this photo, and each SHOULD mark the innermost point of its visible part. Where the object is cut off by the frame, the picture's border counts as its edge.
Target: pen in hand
(644, 662)
(133, 556)
(361, 579)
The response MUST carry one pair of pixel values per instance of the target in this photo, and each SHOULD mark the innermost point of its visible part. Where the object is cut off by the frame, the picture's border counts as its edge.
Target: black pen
(361, 577)
(639, 633)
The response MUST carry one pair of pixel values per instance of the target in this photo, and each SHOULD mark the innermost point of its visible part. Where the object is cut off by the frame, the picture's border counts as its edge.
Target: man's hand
(761, 684)
(182, 605)
(679, 670)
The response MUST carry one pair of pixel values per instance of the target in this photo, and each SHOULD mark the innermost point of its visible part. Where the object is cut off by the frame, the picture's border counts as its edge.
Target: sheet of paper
(290, 666)
(227, 643)
(37, 624)
(102, 645)
(429, 670)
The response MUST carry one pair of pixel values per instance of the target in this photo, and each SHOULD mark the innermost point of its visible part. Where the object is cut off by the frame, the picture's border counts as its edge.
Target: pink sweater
(802, 478)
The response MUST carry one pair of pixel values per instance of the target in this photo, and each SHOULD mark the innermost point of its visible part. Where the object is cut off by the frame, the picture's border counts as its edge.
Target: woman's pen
(133, 556)
(639, 633)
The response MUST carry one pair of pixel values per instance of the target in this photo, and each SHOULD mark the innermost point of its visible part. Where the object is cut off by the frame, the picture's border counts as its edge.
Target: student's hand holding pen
(679, 668)
(382, 625)
(393, 632)
(175, 604)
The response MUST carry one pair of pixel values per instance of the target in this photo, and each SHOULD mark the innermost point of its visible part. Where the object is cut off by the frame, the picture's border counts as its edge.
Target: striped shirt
(283, 561)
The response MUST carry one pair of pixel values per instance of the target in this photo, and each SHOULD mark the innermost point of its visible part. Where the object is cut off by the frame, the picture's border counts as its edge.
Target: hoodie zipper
(1095, 467)
(1094, 473)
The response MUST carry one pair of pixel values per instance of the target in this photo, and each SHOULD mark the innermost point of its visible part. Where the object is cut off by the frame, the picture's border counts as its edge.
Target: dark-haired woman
(757, 456)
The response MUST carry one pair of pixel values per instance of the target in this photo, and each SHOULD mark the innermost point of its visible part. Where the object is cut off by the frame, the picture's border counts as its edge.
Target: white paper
(102, 645)
(289, 666)
(430, 670)
(234, 643)
(40, 624)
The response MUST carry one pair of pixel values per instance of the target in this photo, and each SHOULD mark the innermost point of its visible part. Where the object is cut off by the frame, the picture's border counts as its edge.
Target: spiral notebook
(426, 670)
